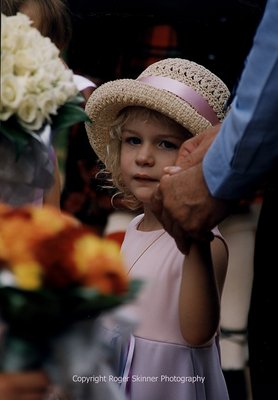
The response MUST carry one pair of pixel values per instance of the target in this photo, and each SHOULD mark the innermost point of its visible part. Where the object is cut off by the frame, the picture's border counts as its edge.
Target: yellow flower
(100, 264)
(48, 220)
(86, 249)
(28, 275)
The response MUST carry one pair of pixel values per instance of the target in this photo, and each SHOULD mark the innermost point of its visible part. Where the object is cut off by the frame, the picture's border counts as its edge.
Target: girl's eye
(168, 145)
(132, 140)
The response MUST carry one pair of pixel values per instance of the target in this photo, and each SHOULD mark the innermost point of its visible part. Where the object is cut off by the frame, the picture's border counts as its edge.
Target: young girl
(138, 127)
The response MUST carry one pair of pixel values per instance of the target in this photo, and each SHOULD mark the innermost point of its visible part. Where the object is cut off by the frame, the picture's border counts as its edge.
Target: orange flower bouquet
(53, 272)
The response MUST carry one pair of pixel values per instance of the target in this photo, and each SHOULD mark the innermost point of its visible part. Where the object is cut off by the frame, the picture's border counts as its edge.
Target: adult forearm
(246, 147)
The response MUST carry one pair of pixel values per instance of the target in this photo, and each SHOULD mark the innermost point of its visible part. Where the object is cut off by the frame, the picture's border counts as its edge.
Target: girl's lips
(144, 178)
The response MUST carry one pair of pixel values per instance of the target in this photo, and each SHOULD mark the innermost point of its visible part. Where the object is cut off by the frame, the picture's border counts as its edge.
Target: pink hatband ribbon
(185, 92)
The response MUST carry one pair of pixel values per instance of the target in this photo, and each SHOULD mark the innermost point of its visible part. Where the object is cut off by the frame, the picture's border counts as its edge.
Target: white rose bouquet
(34, 80)
(37, 92)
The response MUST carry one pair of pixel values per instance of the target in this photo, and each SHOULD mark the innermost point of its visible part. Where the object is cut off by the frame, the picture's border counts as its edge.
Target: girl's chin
(145, 197)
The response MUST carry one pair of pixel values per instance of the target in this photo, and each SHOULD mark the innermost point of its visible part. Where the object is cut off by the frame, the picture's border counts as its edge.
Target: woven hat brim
(109, 99)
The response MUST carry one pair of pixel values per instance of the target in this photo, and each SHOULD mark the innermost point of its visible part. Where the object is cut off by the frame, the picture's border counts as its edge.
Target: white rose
(28, 109)
(47, 104)
(35, 81)
(50, 49)
(35, 124)
(66, 75)
(55, 69)
(7, 64)
(24, 62)
(8, 34)
(59, 96)
(66, 83)
(5, 113)
(8, 42)
(12, 91)
(69, 89)
(38, 82)
(14, 28)
(18, 22)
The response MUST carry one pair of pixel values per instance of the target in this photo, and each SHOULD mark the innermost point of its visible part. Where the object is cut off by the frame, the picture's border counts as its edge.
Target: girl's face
(147, 147)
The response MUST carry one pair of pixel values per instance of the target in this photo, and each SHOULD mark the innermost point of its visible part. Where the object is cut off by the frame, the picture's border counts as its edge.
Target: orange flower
(79, 257)
(101, 264)
(54, 272)
(55, 254)
(44, 247)
(21, 228)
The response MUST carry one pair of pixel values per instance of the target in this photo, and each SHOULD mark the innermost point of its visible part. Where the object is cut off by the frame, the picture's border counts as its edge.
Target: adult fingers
(193, 150)
(189, 153)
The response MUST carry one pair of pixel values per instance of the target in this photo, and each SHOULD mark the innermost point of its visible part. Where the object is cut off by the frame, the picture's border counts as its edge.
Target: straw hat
(182, 90)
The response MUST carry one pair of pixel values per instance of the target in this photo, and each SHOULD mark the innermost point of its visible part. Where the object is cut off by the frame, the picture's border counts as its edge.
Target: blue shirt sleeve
(246, 147)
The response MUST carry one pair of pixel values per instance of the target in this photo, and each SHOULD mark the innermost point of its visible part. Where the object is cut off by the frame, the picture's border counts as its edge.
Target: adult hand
(182, 201)
(186, 208)
(192, 151)
(23, 385)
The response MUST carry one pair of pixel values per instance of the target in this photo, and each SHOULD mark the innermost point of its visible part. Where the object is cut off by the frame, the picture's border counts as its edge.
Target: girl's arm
(203, 277)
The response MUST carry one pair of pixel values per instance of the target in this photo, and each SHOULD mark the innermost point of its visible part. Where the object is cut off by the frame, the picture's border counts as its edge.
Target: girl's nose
(144, 155)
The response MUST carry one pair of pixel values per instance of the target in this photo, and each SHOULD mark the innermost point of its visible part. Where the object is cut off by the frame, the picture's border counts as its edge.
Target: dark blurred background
(111, 39)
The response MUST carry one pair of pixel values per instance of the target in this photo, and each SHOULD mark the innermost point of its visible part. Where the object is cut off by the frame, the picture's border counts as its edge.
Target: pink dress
(157, 363)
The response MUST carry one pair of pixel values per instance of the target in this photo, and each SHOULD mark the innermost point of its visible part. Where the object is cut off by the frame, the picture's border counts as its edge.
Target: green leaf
(69, 114)
(15, 133)
(84, 302)
(78, 99)
(55, 310)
